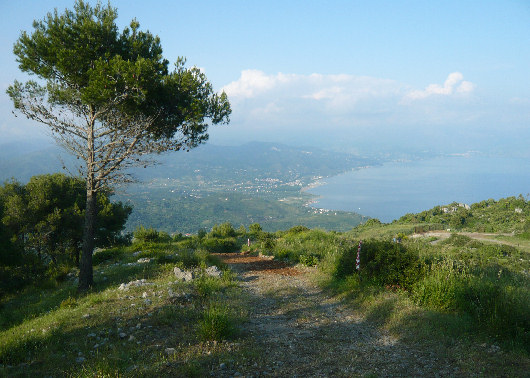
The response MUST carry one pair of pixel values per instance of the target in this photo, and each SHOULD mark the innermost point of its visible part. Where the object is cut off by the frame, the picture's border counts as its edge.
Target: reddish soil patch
(257, 264)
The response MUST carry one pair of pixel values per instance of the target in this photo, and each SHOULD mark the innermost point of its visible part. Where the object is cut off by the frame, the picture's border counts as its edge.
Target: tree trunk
(86, 277)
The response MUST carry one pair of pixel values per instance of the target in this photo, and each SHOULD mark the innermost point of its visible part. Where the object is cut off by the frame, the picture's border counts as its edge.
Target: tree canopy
(109, 98)
(41, 225)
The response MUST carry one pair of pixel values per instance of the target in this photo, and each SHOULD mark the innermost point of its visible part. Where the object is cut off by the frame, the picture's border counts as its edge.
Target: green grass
(453, 296)
(482, 287)
(57, 332)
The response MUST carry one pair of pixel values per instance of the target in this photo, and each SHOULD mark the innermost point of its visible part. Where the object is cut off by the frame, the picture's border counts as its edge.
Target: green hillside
(506, 215)
(453, 296)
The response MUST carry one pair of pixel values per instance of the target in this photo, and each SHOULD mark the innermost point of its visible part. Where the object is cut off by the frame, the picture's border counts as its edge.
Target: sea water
(394, 189)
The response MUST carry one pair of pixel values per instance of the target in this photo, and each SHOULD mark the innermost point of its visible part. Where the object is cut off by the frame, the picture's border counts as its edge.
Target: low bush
(217, 323)
(308, 260)
(113, 254)
(493, 297)
(297, 229)
(268, 242)
(218, 245)
(383, 263)
(224, 230)
(146, 235)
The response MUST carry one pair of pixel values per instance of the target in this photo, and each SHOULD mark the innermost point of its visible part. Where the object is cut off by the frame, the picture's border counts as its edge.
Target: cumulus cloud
(304, 106)
(334, 92)
(454, 83)
(255, 82)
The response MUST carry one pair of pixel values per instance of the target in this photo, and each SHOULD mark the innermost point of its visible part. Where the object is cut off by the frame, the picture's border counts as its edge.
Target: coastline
(396, 188)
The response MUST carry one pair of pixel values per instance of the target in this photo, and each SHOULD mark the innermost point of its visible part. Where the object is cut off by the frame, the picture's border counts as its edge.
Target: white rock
(122, 335)
(80, 360)
(144, 260)
(170, 351)
(183, 275)
(213, 271)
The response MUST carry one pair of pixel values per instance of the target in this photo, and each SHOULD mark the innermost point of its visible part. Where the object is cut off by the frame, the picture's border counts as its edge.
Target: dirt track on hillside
(442, 235)
(299, 330)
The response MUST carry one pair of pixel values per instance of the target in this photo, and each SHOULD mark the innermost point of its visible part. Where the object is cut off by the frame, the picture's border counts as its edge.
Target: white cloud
(320, 105)
(340, 93)
(454, 83)
(252, 83)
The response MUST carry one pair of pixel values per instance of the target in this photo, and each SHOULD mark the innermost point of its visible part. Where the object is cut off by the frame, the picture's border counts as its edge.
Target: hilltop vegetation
(506, 215)
(466, 297)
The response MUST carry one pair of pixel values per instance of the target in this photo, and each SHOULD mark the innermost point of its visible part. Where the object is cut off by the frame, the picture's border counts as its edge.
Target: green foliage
(69, 302)
(110, 254)
(255, 229)
(297, 229)
(224, 230)
(143, 234)
(150, 235)
(201, 233)
(217, 323)
(345, 263)
(41, 226)
(242, 231)
(383, 263)
(372, 222)
(505, 215)
(216, 245)
(308, 260)
(268, 242)
(496, 299)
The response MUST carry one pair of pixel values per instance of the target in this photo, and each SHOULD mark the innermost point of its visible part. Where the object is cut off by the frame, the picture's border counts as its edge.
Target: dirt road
(299, 330)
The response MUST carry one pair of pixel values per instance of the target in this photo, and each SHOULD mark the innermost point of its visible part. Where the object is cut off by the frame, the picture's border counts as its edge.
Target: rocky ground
(299, 330)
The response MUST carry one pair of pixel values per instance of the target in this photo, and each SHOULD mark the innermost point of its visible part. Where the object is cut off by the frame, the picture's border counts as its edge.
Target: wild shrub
(142, 234)
(217, 323)
(113, 254)
(255, 229)
(441, 286)
(308, 260)
(496, 299)
(457, 240)
(389, 263)
(58, 272)
(383, 263)
(297, 229)
(285, 253)
(69, 302)
(224, 230)
(268, 242)
(217, 245)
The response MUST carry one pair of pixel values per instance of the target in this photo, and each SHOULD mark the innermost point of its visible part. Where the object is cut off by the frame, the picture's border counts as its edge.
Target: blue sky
(352, 75)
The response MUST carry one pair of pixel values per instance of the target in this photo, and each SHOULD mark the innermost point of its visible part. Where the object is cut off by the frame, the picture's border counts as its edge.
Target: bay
(394, 189)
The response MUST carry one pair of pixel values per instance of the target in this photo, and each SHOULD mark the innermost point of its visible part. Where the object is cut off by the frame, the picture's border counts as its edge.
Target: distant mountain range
(255, 182)
(258, 159)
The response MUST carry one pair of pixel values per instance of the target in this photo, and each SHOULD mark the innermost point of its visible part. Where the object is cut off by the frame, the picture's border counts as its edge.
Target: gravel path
(301, 331)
